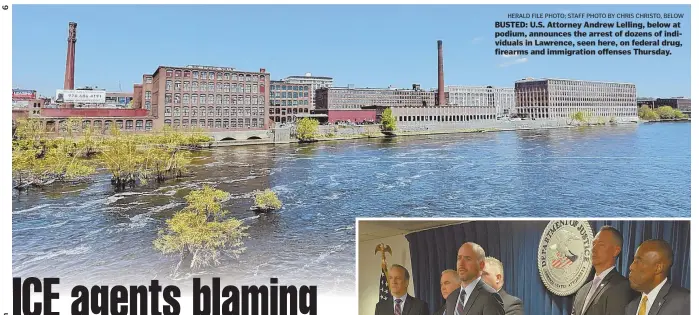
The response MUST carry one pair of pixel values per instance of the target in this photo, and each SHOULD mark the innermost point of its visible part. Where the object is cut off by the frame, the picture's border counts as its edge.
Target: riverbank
(667, 120)
(339, 133)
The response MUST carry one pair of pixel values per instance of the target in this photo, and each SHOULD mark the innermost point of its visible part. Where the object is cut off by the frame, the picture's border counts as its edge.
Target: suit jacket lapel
(472, 297)
(633, 306)
(406, 306)
(389, 306)
(580, 303)
(450, 305)
(601, 287)
(660, 299)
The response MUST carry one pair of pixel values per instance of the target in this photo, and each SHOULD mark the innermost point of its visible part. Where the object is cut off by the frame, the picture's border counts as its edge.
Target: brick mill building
(358, 104)
(502, 98)
(214, 98)
(288, 100)
(562, 98)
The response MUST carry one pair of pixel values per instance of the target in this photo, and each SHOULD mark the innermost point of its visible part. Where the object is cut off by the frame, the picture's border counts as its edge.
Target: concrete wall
(340, 130)
(422, 126)
(369, 269)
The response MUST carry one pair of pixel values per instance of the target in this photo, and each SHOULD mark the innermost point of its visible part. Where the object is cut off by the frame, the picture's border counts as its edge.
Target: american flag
(383, 288)
(562, 261)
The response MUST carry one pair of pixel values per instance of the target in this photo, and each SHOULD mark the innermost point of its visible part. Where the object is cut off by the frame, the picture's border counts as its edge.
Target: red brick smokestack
(69, 82)
(440, 75)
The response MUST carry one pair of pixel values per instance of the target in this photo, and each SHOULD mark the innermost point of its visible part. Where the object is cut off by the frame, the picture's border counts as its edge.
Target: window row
(214, 75)
(443, 118)
(211, 111)
(289, 88)
(214, 87)
(218, 99)
(120, 124)
(285, 111)
(289, 95)
(218, 123)
(289, 103)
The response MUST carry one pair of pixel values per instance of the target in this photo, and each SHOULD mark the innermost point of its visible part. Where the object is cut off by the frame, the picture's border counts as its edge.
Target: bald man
(609, 292)
(474, 297)
(493, 275)
(648, 275)
(448, 283)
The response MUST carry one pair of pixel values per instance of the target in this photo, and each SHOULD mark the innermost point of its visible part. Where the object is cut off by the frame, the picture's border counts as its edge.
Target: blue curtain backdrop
(515, 243)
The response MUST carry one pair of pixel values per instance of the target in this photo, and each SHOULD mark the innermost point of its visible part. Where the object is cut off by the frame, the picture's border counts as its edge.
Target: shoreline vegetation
(157, 156)
(76, 154)
(662, 113)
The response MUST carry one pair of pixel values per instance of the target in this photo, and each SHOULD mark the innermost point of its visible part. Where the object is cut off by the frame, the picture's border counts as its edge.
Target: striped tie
(642, 309)
(460, 303)
(396, 310)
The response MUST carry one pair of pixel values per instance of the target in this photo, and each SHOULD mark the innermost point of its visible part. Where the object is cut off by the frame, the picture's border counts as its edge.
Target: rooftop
(559, 79)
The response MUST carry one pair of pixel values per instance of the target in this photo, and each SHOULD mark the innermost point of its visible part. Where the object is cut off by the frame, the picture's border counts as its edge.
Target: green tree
(39, 161)
(200, 233)
(307, 129)
(580, 117)
(267, 200)
(646, 113)
(666, 112)
(388, 121)
(678, 114)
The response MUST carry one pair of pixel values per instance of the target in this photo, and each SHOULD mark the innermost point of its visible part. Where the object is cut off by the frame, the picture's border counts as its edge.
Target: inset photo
(516, 267)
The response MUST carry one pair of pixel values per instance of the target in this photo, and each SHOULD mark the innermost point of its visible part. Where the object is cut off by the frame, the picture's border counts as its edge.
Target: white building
(315, 82)
(561, 98)
(503, 99)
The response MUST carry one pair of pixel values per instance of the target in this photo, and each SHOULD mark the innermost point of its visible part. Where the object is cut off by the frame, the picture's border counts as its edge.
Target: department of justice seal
(564, 256)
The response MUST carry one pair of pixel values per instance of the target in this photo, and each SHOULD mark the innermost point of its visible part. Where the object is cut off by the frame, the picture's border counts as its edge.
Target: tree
(39, 161)
(646, 113)
(581, 117)
(388, 121)
(307, 129)
(666, 112)
(266, 201)
(200, 233)
(678, 114)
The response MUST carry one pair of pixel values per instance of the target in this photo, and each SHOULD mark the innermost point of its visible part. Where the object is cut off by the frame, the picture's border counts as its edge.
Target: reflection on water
(88, 233)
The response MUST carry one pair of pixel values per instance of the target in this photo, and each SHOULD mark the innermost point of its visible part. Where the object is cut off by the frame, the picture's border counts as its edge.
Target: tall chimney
(440, 75)
(69, 82)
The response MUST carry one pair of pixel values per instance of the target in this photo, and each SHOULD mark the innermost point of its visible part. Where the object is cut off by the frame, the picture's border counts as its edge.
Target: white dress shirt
(402, 302)
(651, 297)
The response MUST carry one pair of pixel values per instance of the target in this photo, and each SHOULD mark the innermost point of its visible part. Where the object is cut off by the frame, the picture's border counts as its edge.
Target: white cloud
(513, 62)
(508, 56)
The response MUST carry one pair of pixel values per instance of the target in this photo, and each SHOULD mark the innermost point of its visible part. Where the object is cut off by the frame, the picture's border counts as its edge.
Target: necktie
(593, 288)
(396, 310)
(642, 309)
(460, 303)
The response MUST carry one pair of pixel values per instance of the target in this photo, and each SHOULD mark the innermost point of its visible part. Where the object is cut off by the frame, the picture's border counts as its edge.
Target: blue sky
(374, 46)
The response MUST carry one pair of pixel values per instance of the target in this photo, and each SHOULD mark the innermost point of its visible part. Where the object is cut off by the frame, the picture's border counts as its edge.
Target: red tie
(396, 310)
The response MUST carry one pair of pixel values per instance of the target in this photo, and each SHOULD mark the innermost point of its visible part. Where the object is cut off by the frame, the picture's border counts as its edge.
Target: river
(90, 234)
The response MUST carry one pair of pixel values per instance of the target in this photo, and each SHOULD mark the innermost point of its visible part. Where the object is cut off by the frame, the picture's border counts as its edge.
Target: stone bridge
(277, 135)
(240, 135)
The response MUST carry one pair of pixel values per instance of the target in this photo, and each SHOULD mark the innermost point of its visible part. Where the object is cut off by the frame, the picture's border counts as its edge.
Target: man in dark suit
(474, 297)
(609, 292)
(448, 283)
(648, 275)
(401, 303)
(493, 275)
